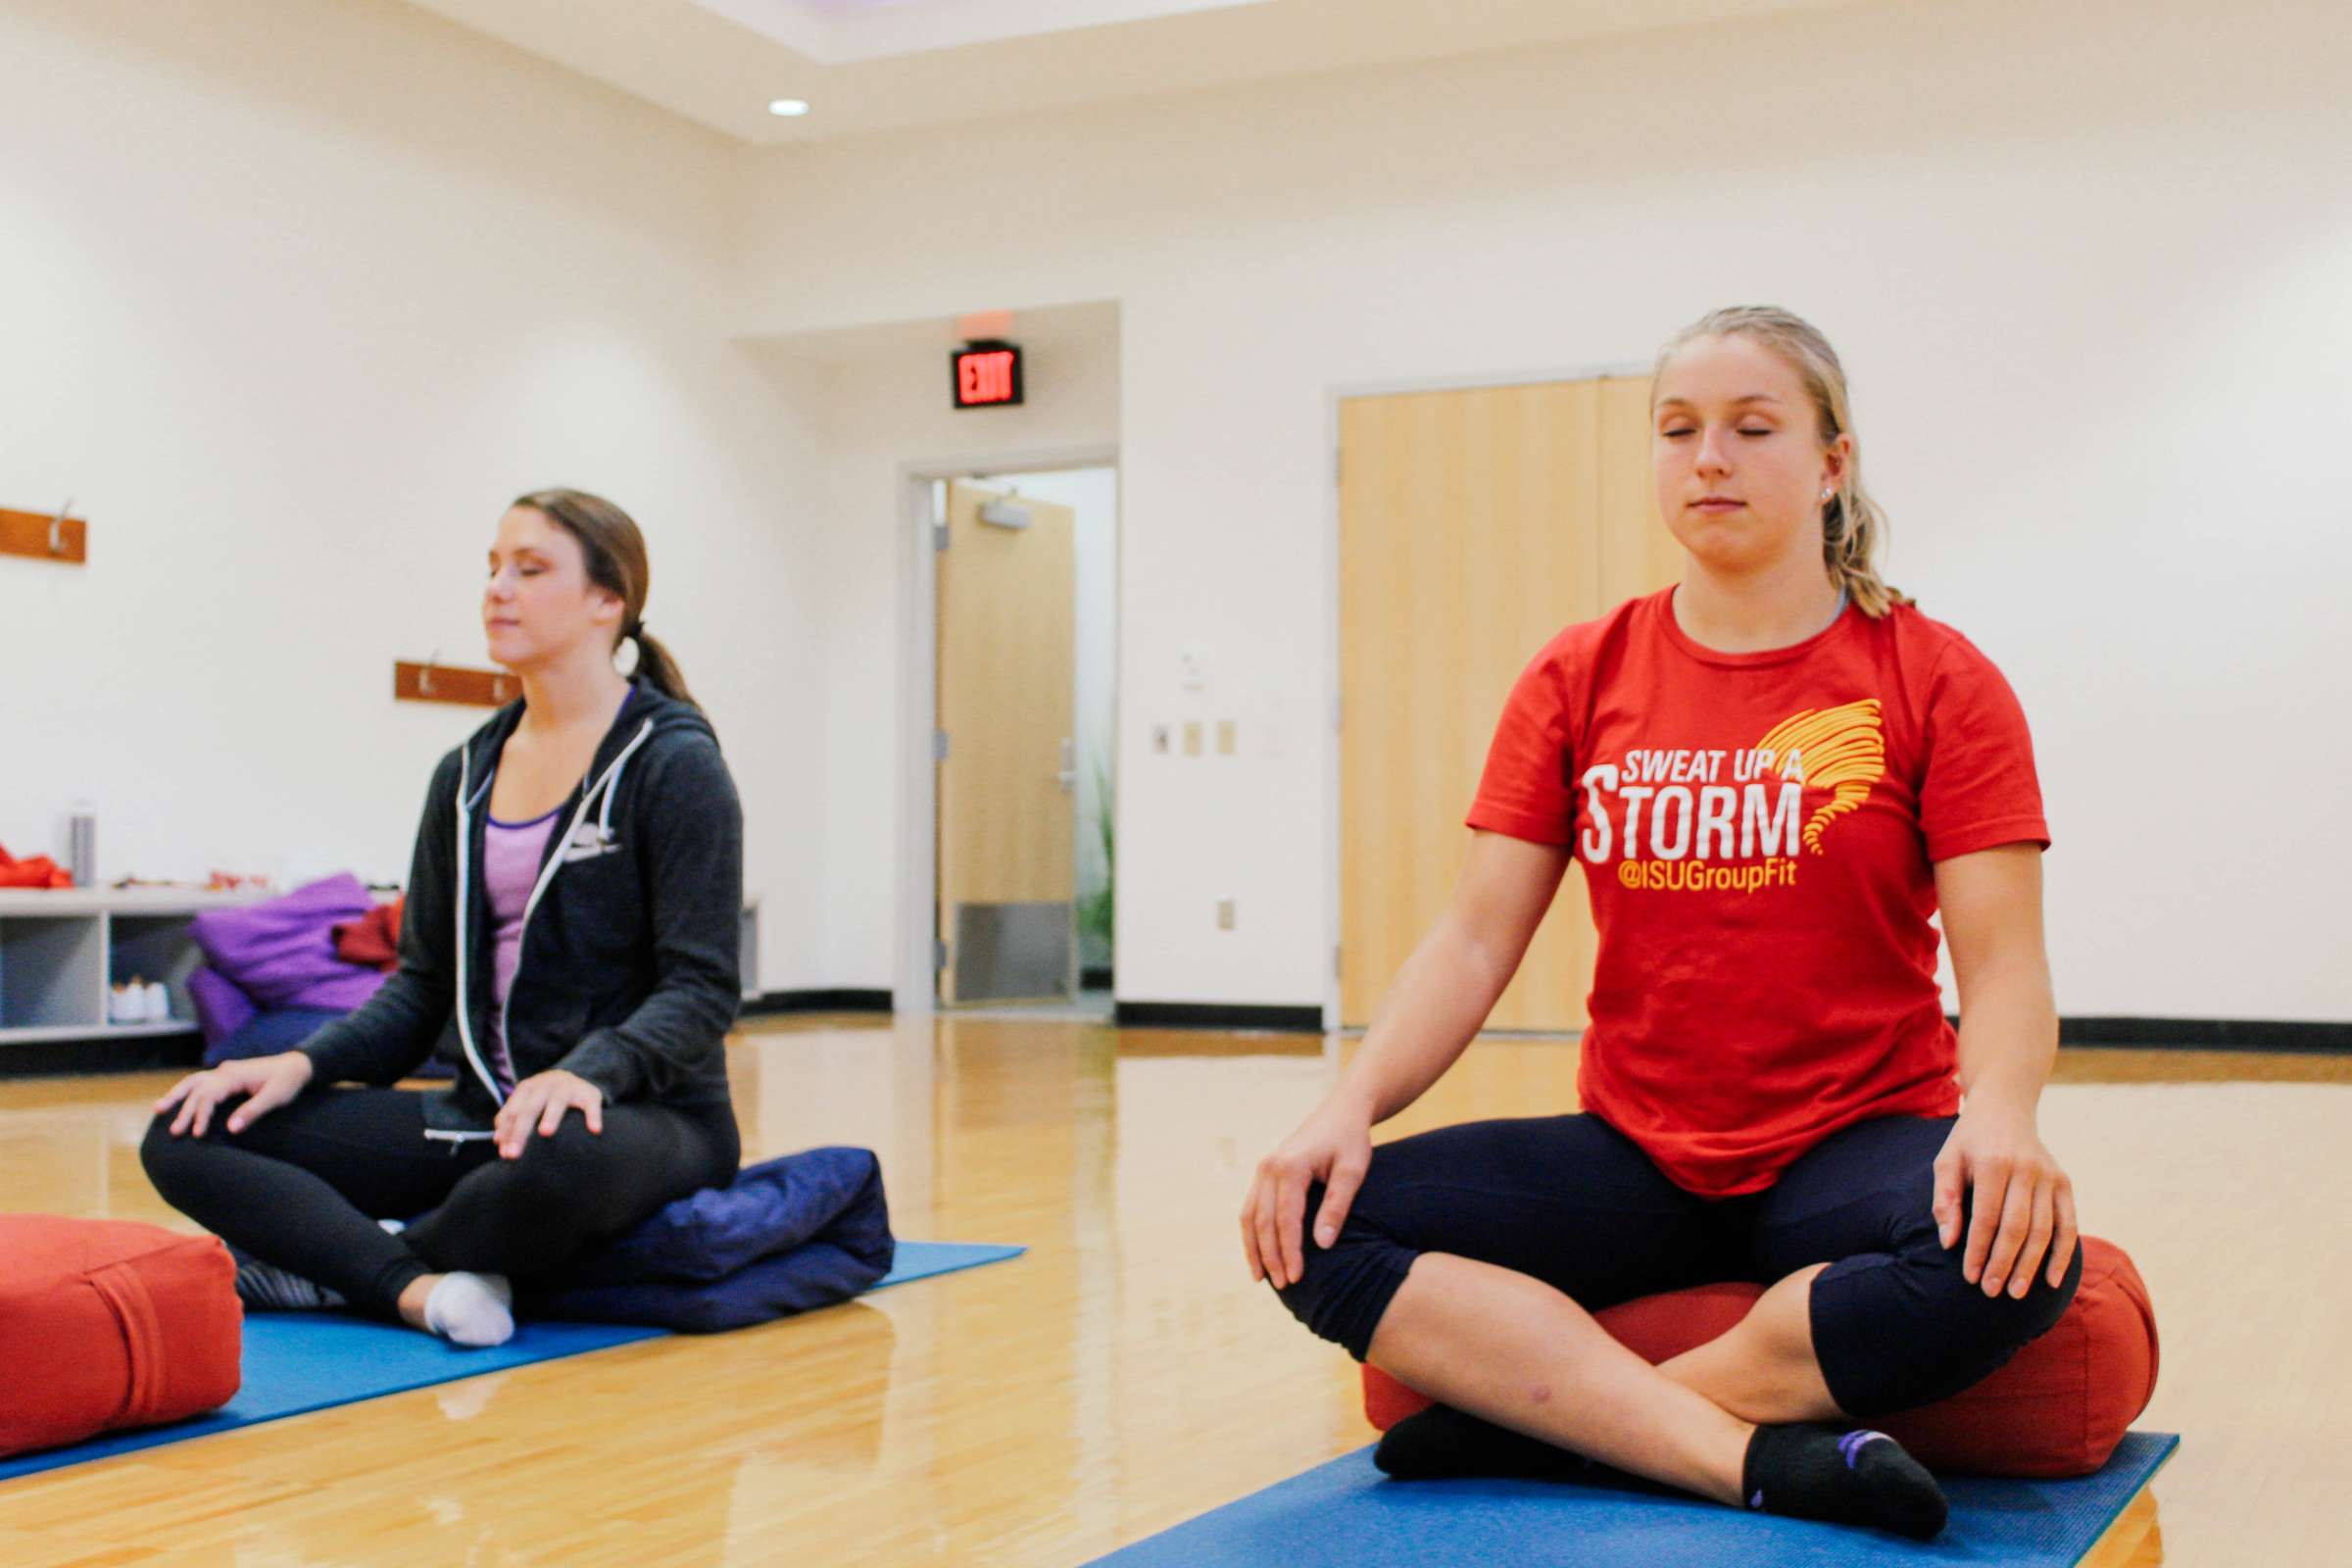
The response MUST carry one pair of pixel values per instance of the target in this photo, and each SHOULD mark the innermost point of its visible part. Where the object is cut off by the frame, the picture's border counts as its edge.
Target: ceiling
(871, 65)
(834, 31)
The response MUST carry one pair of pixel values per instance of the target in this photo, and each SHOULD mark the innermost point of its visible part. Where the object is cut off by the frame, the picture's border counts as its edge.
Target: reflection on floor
(1126, 1374)
(1087, 1006)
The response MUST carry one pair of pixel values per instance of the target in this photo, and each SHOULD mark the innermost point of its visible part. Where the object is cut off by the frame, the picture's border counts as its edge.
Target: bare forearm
(1439, 1000)
(2009, 1034)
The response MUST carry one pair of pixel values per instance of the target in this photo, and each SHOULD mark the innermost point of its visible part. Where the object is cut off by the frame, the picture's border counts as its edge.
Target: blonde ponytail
(1852, 524)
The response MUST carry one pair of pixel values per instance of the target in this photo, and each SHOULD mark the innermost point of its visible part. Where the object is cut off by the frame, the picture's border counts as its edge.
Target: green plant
(1095, 911)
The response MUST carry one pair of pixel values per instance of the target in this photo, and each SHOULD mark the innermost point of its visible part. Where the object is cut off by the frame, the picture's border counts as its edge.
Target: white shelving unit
(62, 952)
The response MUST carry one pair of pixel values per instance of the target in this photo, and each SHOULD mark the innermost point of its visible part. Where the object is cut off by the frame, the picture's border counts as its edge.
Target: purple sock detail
(1850, 1445)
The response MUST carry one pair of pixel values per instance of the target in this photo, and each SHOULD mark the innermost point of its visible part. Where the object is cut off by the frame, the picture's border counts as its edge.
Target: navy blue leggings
(1574, 1202)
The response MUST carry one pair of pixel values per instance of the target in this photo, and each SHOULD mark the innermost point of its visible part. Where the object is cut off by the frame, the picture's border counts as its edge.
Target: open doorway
(1024, 692)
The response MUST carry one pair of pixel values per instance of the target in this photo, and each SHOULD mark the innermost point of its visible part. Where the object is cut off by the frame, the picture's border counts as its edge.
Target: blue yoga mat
(1345, 1516)
(297, 1362)
(919, 1260)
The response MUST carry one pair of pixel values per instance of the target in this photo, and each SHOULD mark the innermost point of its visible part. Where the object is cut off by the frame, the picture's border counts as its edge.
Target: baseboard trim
(2201, 1034)
(97, 1053)
(1218, 1015)
(2207, 1034)
(851, 1000)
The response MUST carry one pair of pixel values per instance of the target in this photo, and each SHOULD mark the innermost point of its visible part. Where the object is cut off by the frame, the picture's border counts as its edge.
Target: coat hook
(424, 676)
(56, 528)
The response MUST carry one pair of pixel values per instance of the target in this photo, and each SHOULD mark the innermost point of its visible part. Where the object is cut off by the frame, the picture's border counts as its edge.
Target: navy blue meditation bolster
(811, 1275)
(770, 1208)
(789, 1234)
(265, 1034)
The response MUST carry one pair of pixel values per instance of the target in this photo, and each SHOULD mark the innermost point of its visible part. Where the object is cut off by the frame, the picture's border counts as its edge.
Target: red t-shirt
(1757, 833)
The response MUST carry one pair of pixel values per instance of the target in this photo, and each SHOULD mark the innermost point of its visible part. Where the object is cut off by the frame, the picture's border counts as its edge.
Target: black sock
(1849, 1477)
(1442, 1443)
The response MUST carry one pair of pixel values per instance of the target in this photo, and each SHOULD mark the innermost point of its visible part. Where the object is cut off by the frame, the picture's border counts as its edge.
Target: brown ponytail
(657, 668)
(615, 550)
(1853, 525)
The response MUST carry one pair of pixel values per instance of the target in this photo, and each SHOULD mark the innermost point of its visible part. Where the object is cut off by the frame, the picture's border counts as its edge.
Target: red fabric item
(38, 872)
(2058, 1409)
(110, 1323)
(1758, 833)
(373, 940)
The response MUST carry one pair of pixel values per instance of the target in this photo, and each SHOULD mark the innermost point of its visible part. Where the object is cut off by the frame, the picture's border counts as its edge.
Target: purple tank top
(511, 853)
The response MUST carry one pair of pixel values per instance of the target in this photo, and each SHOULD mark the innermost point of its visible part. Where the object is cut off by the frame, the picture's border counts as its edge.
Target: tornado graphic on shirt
(1733, 819)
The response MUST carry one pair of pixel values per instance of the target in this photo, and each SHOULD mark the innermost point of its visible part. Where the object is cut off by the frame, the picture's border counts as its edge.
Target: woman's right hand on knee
(1333, 1146)
(264, 1082)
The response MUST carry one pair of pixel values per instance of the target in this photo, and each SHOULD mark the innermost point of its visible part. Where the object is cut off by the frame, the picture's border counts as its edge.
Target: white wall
(2087, 264)
(293, 298)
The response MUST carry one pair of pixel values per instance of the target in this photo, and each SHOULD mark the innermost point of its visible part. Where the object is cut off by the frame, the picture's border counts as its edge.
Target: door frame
(1334, 699)
(913, 986)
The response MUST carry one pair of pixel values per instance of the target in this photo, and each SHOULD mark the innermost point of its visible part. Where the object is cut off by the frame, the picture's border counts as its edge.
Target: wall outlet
(1224, 914)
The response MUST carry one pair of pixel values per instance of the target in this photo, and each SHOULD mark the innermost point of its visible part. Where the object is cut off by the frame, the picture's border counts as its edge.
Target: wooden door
(1474, 526)
(1008, 824)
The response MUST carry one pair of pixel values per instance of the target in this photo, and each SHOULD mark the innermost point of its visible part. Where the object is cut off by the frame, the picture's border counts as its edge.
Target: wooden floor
(1125, 1375)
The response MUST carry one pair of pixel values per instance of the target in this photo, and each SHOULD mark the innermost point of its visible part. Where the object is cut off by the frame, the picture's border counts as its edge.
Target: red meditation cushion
(107, 1323)
(2058, 1409)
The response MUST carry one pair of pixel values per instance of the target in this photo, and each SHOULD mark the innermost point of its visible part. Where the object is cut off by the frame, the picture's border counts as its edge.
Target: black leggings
(304, 1186)
(1575, 1203)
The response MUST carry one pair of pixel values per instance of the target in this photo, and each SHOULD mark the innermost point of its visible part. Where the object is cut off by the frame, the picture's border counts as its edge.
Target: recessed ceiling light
(787, 108)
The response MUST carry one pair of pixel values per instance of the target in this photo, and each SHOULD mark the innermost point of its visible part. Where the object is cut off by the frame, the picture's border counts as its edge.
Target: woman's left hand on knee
(539, 1104)
(2022, 1213)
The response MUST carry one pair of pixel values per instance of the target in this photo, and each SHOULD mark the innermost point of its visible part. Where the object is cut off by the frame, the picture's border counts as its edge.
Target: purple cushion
(282, 953)
(221, 1010)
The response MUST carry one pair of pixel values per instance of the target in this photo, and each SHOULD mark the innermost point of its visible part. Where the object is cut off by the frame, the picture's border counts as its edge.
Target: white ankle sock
(471, 1309)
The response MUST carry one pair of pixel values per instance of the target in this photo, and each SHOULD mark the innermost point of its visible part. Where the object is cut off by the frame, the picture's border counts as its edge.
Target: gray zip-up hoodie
(628, 969)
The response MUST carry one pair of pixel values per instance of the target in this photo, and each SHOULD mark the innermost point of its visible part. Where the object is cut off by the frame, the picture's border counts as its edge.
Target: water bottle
(81, 845)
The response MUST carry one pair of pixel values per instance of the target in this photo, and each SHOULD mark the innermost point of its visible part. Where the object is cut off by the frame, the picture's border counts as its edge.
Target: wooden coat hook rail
(45, 535)
(435, 682)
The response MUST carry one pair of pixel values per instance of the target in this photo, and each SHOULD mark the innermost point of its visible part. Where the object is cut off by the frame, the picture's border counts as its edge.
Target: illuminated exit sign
(987, 374)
